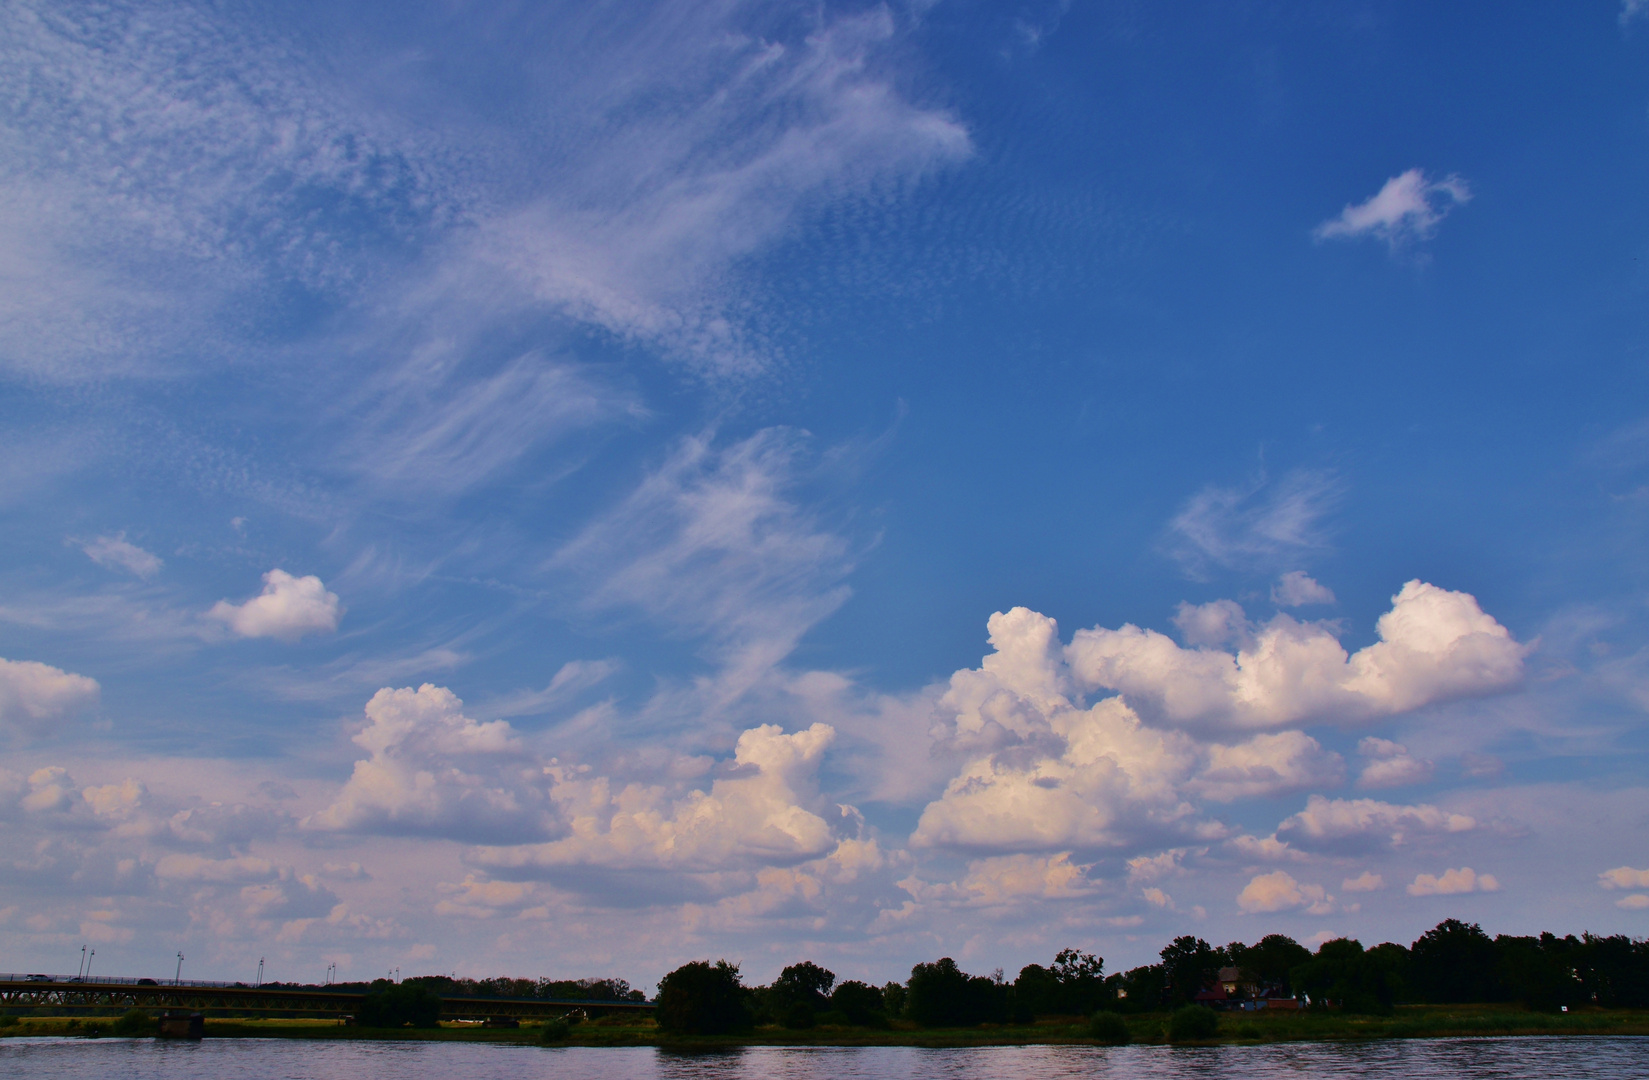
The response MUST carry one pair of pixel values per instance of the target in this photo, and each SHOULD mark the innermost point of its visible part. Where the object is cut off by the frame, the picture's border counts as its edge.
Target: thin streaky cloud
(116, 552)
(1257, 526)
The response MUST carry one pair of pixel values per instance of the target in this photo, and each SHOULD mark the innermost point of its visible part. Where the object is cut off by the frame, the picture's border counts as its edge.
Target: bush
(396, 1005)
(1109, 1029)
(8, 1020)
(555, 1030)
(698, 999)
(134, 1024)
(1194, 1023)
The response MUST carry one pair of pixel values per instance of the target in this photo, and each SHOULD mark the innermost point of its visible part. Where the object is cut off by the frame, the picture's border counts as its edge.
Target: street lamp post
(177, 977)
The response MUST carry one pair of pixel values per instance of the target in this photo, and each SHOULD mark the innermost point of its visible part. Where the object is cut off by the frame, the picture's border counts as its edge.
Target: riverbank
(1408, 1022)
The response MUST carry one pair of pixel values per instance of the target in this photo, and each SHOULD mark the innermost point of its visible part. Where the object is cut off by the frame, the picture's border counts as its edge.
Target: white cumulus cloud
(752, 816)
(432, 770)
(1434, 645)
(1041, 773)
(1268, 765)
(1278, 891)
(1624, 877)
(1367, 881)
(35, 697)
(288, 608)
(1406, 209)
(1453, 882)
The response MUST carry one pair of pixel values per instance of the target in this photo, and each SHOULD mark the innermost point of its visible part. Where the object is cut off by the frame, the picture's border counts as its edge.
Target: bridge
(61, 994)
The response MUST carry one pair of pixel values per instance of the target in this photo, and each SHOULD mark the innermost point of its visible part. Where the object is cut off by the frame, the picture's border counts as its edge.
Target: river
(1535, 1058)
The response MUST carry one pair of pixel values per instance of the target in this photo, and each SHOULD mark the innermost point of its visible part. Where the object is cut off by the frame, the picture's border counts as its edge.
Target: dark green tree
(1080, 977)
(805, 981)
(1613, 971)
(1189, 964)
(1393, 961)
(397, 1005)
(943, 995)
(1270, 960)
(859, 1004)
(1342, 973)
(937, 993)
(1036, 991)
(1141, 989)
(1454, 962)
(1537, 971)
(1074, 985)
(701, 999)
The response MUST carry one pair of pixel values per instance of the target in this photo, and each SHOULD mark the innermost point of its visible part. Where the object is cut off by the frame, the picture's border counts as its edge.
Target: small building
(1237, 983)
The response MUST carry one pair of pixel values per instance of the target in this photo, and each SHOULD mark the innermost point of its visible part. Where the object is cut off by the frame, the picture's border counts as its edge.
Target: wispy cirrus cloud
(117, 552)
(1255, 526)
(171, 162)
(432, 432)
(161, 160)
(675, 189)
(714, 542)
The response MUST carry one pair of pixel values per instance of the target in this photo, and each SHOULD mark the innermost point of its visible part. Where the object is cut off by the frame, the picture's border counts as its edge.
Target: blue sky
(572, 489)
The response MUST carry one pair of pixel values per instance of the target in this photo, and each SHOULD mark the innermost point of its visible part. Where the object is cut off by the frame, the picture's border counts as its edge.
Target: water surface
(1534, 1058)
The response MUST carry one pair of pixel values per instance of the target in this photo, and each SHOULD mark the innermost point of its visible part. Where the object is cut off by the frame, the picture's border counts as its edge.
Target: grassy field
(1409, 1022)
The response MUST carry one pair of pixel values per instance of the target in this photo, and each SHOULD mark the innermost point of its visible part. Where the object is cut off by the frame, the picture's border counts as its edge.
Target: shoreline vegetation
(1406, 1022)
(1453, 981)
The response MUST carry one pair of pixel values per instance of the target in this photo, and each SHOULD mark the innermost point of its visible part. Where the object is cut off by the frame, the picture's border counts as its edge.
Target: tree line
(1454, 962)
(416, 1001)
(446, 986)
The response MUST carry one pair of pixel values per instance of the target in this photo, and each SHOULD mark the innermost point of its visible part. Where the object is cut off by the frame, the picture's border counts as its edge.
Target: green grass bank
(1407, 1022)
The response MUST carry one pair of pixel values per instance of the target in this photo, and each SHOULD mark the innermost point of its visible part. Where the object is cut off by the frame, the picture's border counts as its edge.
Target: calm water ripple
(272, 1059)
